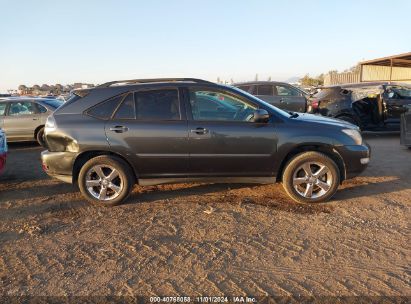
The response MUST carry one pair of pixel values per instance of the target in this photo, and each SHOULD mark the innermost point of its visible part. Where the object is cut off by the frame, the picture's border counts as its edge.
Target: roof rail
(131, 81)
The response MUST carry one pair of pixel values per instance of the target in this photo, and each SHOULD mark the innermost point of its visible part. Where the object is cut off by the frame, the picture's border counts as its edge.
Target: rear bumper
(58, 164)
(3, 157)
(356, 158)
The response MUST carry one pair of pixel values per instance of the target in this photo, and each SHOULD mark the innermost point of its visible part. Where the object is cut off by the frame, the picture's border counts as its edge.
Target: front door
(150, 129)
(291, 98)
(395, 98)
(226, 141)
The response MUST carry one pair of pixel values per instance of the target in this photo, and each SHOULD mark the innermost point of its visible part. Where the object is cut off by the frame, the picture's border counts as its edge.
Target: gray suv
(280, 94)
(159, 131)
(23, 119)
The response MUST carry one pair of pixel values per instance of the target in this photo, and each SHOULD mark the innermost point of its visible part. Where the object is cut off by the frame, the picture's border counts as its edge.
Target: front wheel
(311, 177)
(106, 180)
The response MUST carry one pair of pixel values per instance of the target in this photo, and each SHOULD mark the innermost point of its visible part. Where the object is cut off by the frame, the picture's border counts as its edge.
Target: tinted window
(21, 108)
(265, 90)
(54, 103)
(105, 109)
(3, 108)
(218, 106)
(245, 88)
(126, 109)
(41, 108)
(157, 105)
(287, 91)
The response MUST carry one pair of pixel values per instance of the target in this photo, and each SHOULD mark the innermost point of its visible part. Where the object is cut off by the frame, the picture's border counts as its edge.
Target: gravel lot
(208, 239)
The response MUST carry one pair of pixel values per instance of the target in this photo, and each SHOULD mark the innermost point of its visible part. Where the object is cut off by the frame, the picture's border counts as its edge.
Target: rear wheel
(106, 180)
(40, 137)
(311, 177)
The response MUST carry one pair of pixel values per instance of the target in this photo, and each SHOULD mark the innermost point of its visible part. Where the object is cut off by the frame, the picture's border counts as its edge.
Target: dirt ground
(202, 239)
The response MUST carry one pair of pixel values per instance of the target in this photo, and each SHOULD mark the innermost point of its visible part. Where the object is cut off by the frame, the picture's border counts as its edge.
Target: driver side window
(219, 106)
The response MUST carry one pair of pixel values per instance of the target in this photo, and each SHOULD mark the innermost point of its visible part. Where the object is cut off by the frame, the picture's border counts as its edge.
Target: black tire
(125, 180)
(349, 119)
(292, 172)
(40, 137)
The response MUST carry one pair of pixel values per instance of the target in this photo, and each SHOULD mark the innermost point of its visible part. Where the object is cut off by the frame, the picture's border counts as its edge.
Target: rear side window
(245, 88)
(105, 109)
(41, 108)
(157, 105)
(266, 90)
(127, 109)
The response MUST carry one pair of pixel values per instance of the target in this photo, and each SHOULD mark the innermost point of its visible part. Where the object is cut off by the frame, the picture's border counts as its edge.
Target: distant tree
(58, 88)
(45, 87)
(312, 81)
(22, 87)
(218, 80)
(353, 69)
(269, 78)
(36, 87)
(256, 77)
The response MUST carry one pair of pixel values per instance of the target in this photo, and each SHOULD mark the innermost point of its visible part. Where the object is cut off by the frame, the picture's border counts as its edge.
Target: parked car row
(157, 131)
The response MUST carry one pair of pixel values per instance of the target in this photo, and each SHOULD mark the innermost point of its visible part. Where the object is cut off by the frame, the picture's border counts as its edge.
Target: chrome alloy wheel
(104, 182)
(312, 180)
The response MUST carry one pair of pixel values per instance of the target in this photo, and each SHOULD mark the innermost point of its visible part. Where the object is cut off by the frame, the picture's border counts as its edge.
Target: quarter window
(21, 108)
(105, 109)
(218, 106)
(157, 105)
(127, 109)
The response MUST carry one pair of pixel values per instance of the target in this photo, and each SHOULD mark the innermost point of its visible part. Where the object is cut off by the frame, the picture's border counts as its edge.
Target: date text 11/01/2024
(203, 299)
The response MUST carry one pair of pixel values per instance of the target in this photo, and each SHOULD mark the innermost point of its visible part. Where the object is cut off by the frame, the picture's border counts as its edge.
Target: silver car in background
(23, 118)
(279, 94)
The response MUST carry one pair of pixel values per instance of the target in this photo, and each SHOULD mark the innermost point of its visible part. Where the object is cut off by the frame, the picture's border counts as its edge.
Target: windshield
(55, 103)
(277, 110)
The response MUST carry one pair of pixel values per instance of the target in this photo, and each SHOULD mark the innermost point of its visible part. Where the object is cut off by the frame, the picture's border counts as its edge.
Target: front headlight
(354, 134)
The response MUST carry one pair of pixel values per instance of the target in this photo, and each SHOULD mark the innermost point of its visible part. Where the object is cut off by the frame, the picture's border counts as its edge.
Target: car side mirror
(261, 115)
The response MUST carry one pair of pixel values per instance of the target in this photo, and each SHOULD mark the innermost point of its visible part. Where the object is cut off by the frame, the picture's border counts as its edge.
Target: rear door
(21, 120)
(267, 93)
(290, 98)
(149, 127)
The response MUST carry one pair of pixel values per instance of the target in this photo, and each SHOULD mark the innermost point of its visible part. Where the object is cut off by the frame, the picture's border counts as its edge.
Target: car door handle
(199, 131)
(282, 100)
(119, 129)
(35, 119)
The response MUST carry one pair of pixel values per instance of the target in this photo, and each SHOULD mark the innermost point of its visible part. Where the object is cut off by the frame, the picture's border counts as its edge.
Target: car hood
(311, 118)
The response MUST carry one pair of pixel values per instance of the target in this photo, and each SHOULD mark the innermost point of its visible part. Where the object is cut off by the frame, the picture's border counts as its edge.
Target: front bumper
(59, 164)
(356, 158)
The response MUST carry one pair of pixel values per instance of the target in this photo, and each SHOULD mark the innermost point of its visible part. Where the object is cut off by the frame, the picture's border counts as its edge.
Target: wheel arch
(83, 157)
(325, 149)
(37, 130)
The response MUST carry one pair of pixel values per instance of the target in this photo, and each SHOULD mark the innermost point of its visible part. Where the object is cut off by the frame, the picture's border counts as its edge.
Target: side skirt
(213, 180)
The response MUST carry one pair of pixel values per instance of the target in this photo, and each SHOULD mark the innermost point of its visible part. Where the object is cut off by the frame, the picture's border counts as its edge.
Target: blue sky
(96, 41)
